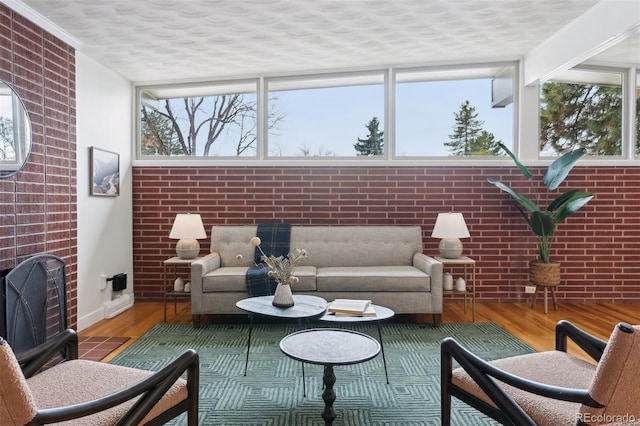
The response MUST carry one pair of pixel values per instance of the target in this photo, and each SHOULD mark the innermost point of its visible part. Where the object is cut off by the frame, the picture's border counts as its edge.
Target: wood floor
(532, 326)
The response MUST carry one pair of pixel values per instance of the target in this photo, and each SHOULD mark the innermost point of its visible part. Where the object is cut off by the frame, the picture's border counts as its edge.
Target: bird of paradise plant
(543, 221)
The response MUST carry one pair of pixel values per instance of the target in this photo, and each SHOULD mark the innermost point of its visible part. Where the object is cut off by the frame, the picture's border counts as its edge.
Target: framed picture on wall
(105, 172)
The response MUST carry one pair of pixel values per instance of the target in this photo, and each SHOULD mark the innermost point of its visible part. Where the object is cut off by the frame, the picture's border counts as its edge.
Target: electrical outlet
(103, 281)
(529, 289)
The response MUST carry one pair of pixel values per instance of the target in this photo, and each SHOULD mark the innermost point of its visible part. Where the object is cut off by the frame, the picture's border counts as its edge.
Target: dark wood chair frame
(485, 375)
(151, 389)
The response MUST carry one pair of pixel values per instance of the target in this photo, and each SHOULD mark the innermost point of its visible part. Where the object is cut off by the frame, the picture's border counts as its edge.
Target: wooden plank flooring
(531, 326)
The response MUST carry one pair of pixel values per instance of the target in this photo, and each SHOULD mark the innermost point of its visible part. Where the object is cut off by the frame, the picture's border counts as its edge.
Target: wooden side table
(168, 290)
(470, 288)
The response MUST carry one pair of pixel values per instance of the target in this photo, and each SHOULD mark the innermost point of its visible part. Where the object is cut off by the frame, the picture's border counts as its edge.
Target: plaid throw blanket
(275, 239)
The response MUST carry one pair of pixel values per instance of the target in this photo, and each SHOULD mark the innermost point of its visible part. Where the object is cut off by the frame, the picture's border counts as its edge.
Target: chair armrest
(152, 390)
(64, 344)
(592, 345)
(485, 375)
(433, 268)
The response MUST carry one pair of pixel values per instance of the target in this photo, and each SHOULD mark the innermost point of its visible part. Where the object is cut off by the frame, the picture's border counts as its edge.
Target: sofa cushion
(227, 279)
(232, 279)
(231, 241)
(372, 278)
(307, 276)
(330, 246)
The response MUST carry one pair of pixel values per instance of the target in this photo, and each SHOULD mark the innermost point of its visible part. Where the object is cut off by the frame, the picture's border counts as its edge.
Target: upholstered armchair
(550, 388)
(81, 392)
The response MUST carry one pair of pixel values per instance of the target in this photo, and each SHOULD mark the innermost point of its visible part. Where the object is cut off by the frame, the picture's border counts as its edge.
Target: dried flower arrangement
(280, 268)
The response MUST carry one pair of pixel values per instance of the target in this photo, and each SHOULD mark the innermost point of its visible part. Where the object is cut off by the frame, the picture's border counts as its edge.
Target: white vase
(460, 284)
(283, 298)
(447, 281)
(178, 285)
(187, 287)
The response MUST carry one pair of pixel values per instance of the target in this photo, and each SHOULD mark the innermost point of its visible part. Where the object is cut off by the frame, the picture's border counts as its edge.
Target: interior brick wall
(38, 205)
(598, 246)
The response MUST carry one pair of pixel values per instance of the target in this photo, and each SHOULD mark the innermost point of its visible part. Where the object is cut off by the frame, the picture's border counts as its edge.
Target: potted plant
(543, 221)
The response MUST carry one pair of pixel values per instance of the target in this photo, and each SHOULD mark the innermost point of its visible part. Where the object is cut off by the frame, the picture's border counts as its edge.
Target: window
(387, 114)
(454, 112)
(327, 116)
(582, 107)
(199, 120)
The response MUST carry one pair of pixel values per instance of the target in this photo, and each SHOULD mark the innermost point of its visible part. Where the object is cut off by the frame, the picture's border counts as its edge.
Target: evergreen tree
(486, 144)
(581, 116)
(466, 129)
(158, 135)
(468, 138)
(374, 143)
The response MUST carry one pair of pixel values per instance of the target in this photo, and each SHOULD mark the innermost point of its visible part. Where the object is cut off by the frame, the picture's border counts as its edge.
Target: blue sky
(329, 121)
(332, 119)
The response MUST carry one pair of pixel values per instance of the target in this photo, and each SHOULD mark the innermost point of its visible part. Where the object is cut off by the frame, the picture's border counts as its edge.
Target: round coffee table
(329, 347)
(382, 313)
(304, 307)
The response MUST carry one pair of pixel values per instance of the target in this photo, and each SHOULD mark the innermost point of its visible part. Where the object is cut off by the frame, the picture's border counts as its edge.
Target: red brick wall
(38, 205)
(598, 246)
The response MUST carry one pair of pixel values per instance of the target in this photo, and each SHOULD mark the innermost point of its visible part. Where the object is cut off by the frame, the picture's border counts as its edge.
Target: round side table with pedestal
(382, 313)
(329, 347)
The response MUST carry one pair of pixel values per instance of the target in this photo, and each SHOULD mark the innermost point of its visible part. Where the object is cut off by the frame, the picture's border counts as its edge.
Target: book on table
(351, 307)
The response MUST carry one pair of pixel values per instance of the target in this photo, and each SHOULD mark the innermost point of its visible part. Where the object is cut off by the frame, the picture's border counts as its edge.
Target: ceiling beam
(604, 25)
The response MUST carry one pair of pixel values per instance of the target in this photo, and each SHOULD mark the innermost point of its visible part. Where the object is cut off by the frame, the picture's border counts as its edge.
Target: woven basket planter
(544, 274)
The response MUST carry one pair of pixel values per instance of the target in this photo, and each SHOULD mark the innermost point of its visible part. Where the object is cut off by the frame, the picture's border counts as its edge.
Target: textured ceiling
(162, 40)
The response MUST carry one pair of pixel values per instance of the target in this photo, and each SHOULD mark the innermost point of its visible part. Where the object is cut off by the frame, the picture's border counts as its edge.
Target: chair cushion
(77, 381)
(615, 385)
(17, 405)
(553, 368)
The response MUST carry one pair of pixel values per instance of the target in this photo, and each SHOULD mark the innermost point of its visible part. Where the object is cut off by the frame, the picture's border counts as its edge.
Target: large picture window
(452, 112)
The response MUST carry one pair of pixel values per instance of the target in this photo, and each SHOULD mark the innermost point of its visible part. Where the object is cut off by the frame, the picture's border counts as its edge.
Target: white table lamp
(187, 228)
(450, 227)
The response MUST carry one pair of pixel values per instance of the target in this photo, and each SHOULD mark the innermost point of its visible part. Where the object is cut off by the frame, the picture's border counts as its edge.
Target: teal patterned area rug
(271, 393)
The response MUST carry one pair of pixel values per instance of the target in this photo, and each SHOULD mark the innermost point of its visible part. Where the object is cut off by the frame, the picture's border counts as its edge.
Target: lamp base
(450, 248)
(188, 248)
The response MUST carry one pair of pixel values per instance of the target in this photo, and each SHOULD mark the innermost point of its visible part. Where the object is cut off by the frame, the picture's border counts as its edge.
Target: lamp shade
(187, 228)
(450, 227)
(187, 225)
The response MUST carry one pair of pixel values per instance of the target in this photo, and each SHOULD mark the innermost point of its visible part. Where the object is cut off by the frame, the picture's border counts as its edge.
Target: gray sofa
(382, 263)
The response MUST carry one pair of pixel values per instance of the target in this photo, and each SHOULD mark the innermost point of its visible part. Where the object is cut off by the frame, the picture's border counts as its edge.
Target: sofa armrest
(200, 268)
(433, 268)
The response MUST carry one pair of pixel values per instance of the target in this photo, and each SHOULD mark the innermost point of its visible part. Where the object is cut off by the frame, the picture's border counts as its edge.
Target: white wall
(104, 120)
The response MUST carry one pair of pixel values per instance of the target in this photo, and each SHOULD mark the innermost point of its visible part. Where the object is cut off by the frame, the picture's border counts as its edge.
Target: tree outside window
(583, 108)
